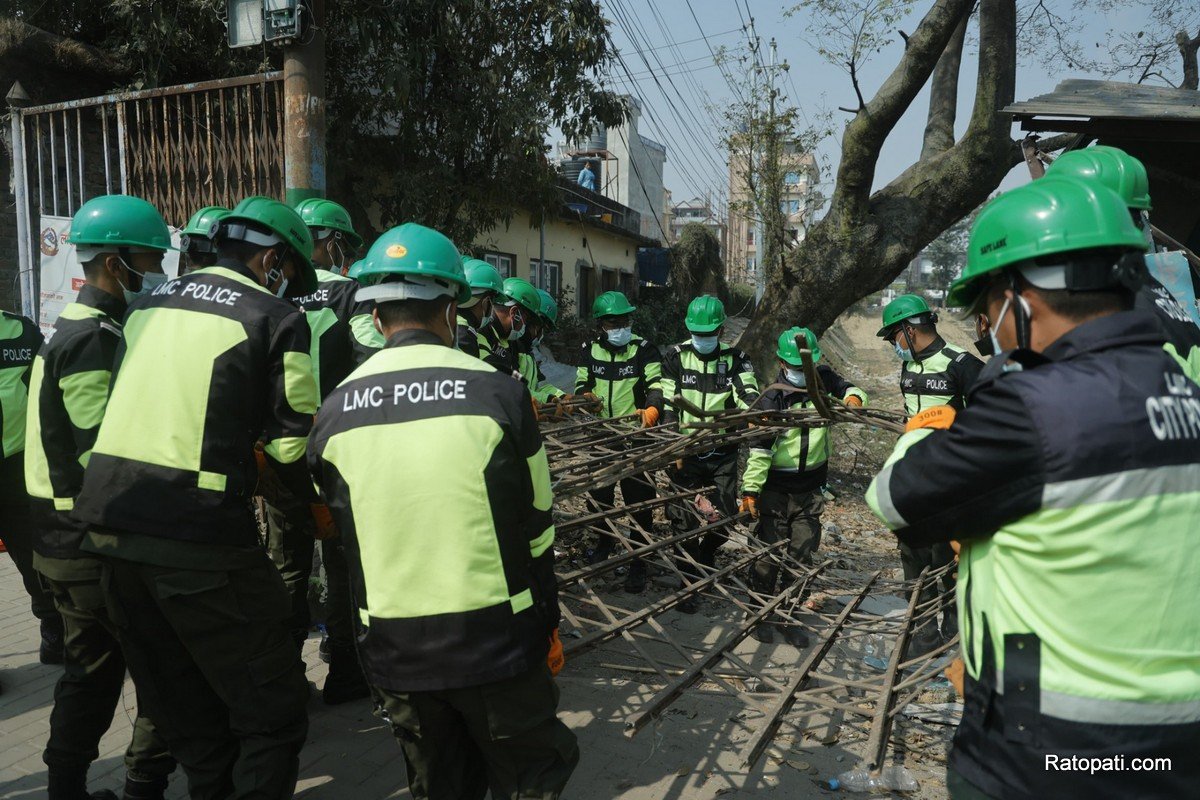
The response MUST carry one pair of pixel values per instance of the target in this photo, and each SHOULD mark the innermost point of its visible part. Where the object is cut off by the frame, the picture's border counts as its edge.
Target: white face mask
(996, 348)
(282, 290)
(795, 377)
(619, 337)
(150, 282)
(904, 355)
(705, 344)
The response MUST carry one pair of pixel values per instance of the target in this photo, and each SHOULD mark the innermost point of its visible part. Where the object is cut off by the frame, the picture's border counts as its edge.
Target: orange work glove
(649, 416)
(324, 520)
(938, 417)
(555, 659)
(750, 503)
(566, 404)
(260, 458)
(854, 401)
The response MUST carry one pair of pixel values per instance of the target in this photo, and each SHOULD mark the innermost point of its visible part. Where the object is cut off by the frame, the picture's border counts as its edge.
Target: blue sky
(670, 40)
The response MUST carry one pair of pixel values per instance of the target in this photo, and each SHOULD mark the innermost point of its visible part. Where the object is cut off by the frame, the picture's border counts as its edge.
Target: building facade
(590, 246)
(698, 210)
(743, 249)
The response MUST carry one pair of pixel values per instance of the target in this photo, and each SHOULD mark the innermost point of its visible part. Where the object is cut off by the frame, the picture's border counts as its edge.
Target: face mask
(705, 344)
(996, 348)
(150, 281)
(795, 377)
(450, 326)
(904, 355)
(619, 337)
(282, 290)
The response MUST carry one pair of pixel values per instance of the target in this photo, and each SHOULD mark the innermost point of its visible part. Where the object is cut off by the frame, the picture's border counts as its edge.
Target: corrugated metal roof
(1111, 100)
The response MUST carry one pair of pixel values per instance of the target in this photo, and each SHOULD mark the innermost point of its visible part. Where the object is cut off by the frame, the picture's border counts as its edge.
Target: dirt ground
(693, 751)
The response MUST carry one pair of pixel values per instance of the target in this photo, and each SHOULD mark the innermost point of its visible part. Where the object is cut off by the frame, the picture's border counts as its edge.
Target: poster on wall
(61, 274)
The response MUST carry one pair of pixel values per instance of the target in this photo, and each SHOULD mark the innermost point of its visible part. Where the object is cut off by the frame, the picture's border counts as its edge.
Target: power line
(631, 27)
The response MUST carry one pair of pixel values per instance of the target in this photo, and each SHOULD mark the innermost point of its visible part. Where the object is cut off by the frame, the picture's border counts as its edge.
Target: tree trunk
(865, 241)
(943, 95)
(1191, 69)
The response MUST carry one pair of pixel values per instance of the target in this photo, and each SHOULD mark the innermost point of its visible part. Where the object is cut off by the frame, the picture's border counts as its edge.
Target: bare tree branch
(865, 134)
(943, 95)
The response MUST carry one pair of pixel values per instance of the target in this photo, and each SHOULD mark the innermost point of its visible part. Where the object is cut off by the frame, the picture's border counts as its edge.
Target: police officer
(120, 242)
(195, 240)
(933, 373)
(343, 336)
(713, 377)
(1072, 479)
(513, 308)
(623, 373)
(20, 340)
(537, 325)
(781, 487)
(475, 315)
(457, 639)
(210, 364)
(1115, 169)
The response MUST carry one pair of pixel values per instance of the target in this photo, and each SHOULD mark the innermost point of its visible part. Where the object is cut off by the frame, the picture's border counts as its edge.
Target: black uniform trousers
(90, 689)
(210, 653)
(635, 489)
(16, 530)
(794, 517)
(290, 542)
(503, 736)
(915, 560)
(719, 470)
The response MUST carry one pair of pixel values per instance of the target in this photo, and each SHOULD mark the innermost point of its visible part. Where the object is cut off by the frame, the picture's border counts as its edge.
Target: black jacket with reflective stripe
(73, 385)
(19, 343)
(210, 364)
(941, 374)
(343, 333)
(1104, 419)
(434, 469)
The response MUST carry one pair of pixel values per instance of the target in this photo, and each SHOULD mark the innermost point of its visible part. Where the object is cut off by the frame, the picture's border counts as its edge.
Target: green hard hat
(284, 222)
(119, 220)
(482, 276)
(549, 310)
(317, 212)
(412, 250)
(521, 292)
(903, 307)
(201, 223)
(612, 304)
(1049, 216)
(1111, 167)
(705, 314)
(789, 352)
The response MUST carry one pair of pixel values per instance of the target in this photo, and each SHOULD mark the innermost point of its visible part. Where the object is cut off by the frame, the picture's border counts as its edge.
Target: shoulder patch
(961, 356)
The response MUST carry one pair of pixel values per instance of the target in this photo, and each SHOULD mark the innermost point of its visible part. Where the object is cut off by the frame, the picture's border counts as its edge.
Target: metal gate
(179, 147)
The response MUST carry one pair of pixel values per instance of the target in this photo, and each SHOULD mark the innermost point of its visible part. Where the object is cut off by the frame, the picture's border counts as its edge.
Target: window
(751, 263)
(608, 280)
(790, 206)
(503, 262)
(750, 236)
(791, 178)
(548, 276)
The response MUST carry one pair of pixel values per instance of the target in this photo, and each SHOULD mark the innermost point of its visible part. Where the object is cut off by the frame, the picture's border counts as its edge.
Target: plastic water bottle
(889, 779)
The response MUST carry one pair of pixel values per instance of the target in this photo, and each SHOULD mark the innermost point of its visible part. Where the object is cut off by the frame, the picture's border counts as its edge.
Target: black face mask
(984, 346)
